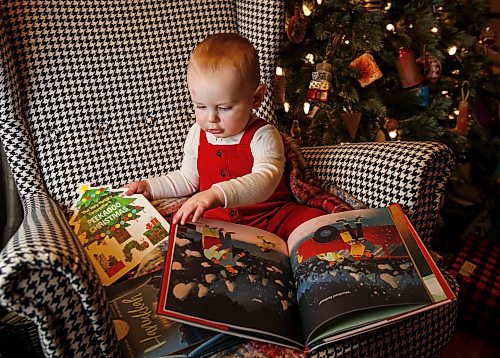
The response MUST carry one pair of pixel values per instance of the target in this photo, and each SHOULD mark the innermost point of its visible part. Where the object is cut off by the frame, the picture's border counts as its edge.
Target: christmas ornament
(431, 68)
(408, 69)
(296, 132)
(462, 126)
(388, 132)
(335, 42)
(487, 39)
(367, 69)
(321, 83)
(483, 116)
(351, 122)
(372, 5)
(296, 30)
(279, 86)
(422, 93)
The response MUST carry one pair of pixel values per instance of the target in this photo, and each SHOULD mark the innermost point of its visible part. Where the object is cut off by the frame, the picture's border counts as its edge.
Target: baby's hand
(196, 205)
(139, 187)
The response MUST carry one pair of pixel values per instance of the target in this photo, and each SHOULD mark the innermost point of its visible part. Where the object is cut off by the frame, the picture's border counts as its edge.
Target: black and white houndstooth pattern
(44, 274)
(94, 91)
(412, 174)
(105, 97)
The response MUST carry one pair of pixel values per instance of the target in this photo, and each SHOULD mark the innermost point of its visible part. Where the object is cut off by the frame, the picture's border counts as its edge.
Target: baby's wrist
(219, 194)
(148, 187)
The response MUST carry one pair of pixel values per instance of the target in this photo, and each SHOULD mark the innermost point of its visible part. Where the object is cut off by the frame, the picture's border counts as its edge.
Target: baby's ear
(258, 95)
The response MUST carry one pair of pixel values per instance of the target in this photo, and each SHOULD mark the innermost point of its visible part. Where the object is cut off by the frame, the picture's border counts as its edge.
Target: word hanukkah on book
(117, 231)
(341, 274)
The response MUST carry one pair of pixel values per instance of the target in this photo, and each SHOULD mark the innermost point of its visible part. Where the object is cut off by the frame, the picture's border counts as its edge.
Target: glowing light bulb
(279, 71)
(286, 106)
(346, 42)
(307, 107)
(393, 134)
(390, 27)
(444, 92)
(310, 58)
(452, 50)
(319, 2)
(388, 6)
(434, 30)
(306, 10)
(456, 112)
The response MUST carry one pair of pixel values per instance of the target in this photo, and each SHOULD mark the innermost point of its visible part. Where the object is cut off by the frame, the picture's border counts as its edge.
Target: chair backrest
(95, 91)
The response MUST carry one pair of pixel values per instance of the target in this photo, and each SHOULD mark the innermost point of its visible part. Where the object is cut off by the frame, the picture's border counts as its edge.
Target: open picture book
(336, 276)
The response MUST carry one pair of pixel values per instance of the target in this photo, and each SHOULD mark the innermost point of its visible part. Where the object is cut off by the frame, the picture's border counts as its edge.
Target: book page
(230, 277)
(116, 231)
(351, 261)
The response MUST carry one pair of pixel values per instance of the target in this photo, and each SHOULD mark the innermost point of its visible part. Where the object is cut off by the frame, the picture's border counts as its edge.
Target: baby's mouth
(216, 131)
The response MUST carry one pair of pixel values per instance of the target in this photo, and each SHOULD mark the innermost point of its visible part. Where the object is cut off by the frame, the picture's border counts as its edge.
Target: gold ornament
(367, 69)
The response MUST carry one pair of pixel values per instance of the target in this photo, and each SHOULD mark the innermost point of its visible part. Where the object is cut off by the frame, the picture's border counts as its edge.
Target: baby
(233, 162)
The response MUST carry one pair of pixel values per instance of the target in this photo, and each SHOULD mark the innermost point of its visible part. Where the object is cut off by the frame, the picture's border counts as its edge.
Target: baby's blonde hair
(226, 51)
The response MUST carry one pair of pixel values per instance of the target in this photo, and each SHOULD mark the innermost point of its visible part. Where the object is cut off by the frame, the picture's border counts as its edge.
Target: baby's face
(222, 102)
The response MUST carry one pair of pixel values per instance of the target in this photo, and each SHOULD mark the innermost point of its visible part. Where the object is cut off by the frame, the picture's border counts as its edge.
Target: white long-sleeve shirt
(269, 161)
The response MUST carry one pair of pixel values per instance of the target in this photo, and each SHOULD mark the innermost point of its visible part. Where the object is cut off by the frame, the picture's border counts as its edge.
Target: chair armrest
(46, 276)
(412, 174)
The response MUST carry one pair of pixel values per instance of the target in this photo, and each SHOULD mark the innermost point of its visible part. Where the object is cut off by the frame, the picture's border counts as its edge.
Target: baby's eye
(224, 108)
(200, 107)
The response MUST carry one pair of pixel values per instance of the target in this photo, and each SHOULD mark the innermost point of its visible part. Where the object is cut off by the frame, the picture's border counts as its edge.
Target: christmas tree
(104, 214)
(372, 70)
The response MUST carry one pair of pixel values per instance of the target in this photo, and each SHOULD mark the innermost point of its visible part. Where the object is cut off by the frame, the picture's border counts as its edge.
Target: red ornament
(296, 30)
(321, 83)
(483, 116)
(408, 68)
(431, 68)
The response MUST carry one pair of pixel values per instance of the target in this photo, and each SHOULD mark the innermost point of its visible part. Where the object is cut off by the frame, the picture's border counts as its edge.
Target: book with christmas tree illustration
(340, 275)
(116, 231)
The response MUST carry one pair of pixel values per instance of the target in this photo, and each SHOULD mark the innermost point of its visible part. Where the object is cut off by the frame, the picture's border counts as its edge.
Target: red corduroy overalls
(280, 214)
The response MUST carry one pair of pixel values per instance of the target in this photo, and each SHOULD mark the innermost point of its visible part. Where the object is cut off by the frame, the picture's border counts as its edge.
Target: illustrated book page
(360, 267)
(341, 274)
(232, 278)
(116, 230)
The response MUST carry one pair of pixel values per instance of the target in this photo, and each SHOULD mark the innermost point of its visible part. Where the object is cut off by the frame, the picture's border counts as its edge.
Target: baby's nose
(213, 117)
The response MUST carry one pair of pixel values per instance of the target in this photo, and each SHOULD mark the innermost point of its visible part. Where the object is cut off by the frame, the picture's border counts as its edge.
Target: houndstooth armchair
(95, 91)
